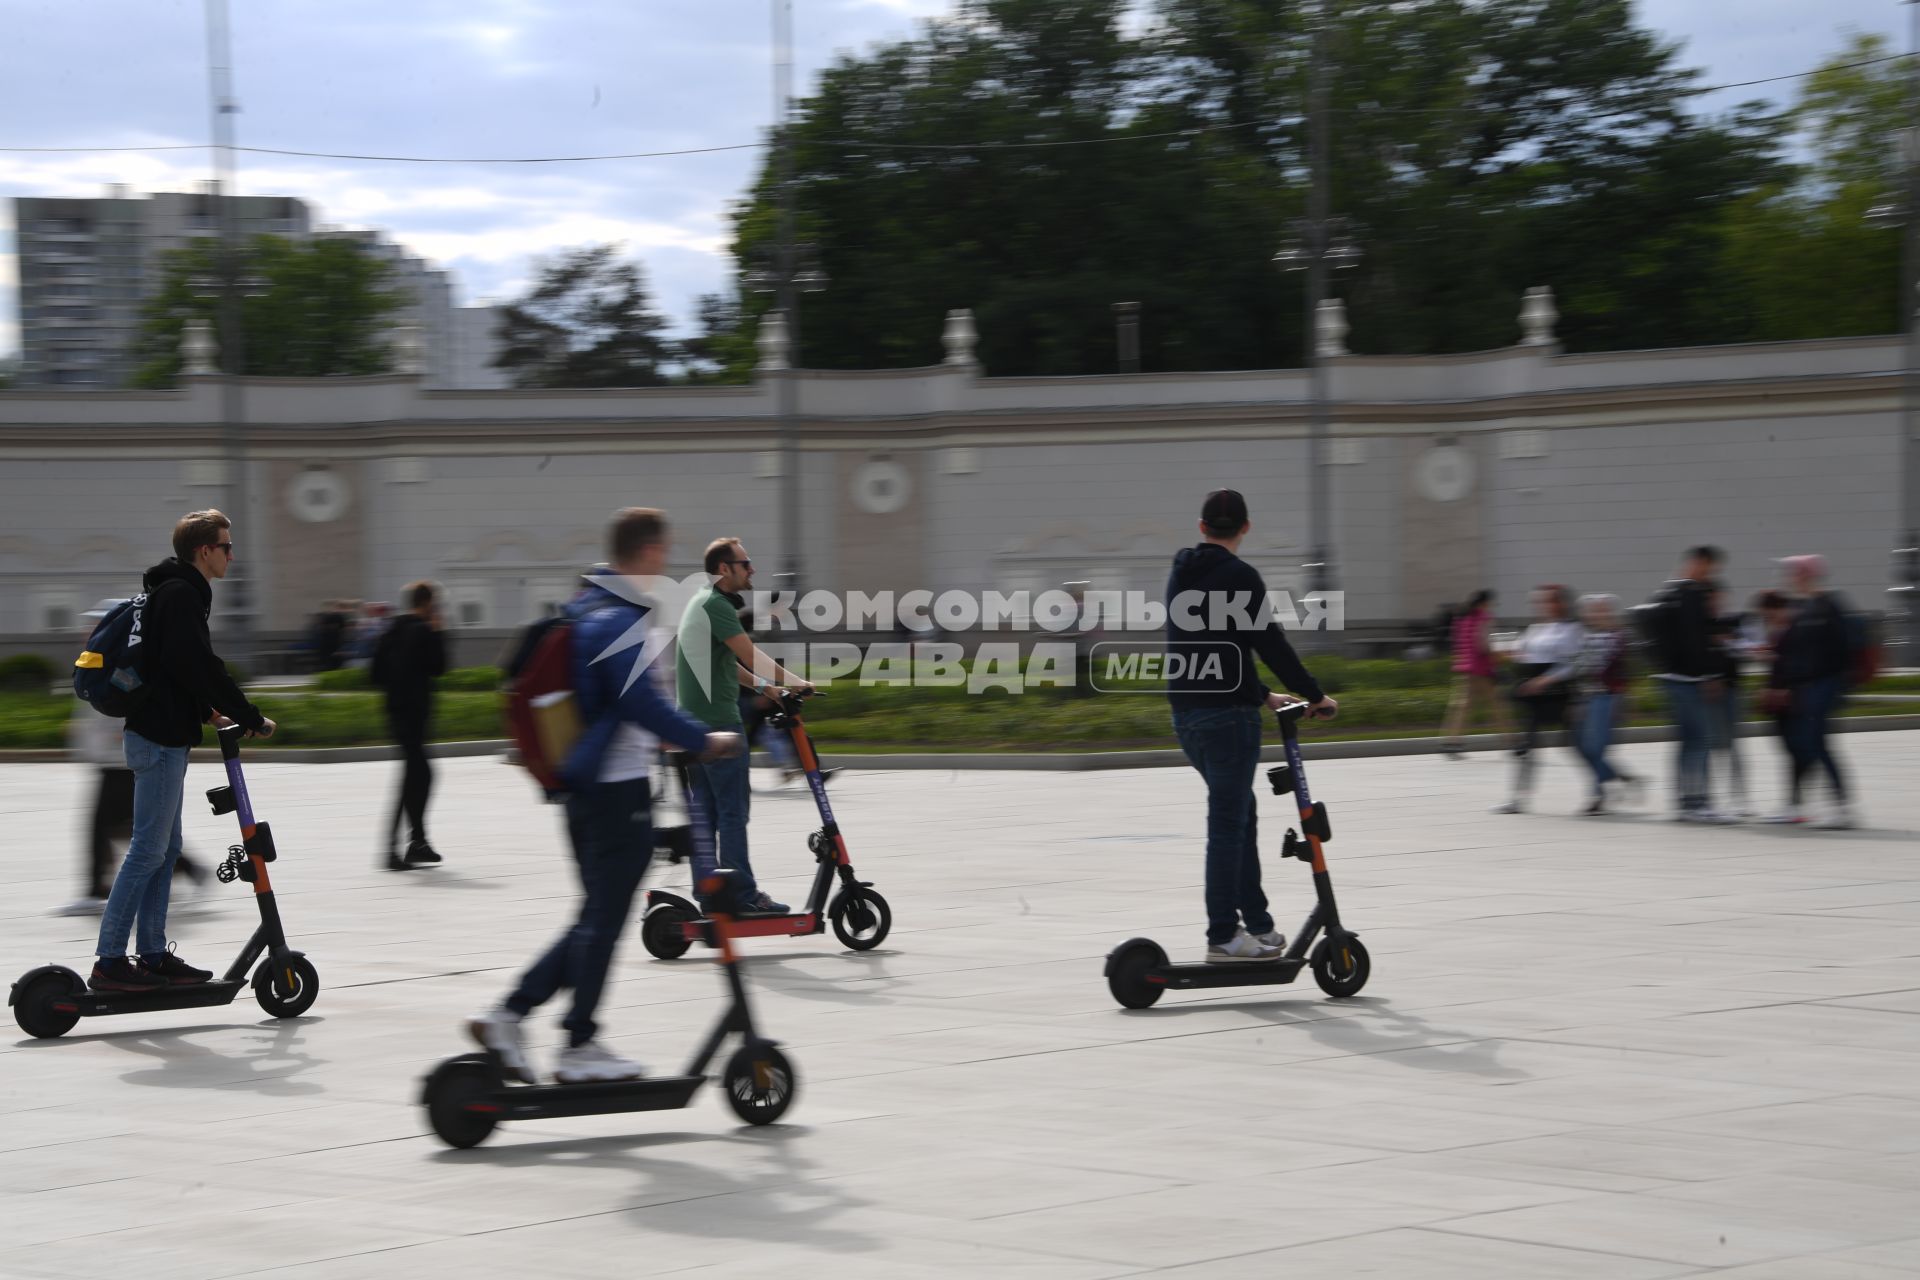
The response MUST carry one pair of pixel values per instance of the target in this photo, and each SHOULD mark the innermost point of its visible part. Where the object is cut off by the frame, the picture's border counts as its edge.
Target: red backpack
(543, 715)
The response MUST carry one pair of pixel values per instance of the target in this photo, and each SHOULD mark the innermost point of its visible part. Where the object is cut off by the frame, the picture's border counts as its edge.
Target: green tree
(316, 308)
(1038, 239)
(1805, 256)
(721, 351)
(1479, 147)
(585, 322)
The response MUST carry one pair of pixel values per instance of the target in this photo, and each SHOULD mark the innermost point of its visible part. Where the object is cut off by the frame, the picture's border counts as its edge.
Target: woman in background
(1544, 663)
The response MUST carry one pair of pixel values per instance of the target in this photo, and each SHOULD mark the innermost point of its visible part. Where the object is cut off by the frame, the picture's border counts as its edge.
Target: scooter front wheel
(286, 989)
(1128, 966)
(456, 1092)
(861, 919)
(760, 1083)
(1341, 968)
(663, 932)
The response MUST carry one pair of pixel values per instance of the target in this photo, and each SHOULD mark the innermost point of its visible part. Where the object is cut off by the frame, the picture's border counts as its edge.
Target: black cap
(1224, 513)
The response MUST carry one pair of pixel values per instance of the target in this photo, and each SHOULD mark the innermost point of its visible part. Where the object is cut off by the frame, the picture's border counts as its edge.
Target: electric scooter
(468, 1096)
(48, 1001)
(860, 917)
(1138, 971)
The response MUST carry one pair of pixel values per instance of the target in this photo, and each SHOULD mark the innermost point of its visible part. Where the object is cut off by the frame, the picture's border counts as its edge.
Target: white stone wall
(1612, 508)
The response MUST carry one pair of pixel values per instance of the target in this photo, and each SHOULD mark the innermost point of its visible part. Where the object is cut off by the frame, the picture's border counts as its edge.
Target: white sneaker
(1242, 948)
(1511, 806)
(498, 1032)
(82, 907)
(1841, 819)
(1271, 938)
(1785, 818)
(586, 1063)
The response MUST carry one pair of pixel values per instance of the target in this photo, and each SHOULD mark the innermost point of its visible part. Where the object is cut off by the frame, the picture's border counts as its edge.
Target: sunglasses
(744, 564)
(224, 546)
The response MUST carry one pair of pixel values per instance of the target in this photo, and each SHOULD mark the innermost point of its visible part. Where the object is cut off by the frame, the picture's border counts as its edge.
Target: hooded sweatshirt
(189, 681)
(1220, 576)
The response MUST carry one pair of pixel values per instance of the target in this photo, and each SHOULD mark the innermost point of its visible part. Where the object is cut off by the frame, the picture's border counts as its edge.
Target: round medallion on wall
(318, 496)
(1445, 473)
(881, 488)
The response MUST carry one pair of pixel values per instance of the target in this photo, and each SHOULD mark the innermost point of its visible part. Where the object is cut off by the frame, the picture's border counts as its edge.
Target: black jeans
(611, 827)
(416, 780)
(113, 820)
(1539, 713)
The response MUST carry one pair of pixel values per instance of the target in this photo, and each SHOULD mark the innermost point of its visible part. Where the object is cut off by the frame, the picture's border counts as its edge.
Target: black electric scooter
(860, 917)
(47, 1001)
(468, 1096)
(1138, 971)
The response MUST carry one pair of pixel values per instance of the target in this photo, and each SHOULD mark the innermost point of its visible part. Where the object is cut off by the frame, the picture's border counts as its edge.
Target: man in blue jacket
(1214, 601)
(619, 683)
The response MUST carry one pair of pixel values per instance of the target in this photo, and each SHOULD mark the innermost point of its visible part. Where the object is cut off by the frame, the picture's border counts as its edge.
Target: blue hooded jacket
(608, 691)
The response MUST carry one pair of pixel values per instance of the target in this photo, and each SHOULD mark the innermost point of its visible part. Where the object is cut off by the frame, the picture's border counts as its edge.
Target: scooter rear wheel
(663, 933)
(760, 1083)
(453, 1090)
(1127, 970)
(861, 919)
(33, 1007)
(1341, 968)
(286, 990)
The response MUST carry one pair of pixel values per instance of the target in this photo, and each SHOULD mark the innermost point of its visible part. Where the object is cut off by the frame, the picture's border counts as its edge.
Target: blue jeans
(1724, 716)
(1223, 743)
(611, 828)
(145, 881)
(1595, 734)
(1687, 700)
(722, 787)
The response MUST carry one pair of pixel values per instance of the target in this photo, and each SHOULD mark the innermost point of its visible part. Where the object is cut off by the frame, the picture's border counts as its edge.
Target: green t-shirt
(718, 704)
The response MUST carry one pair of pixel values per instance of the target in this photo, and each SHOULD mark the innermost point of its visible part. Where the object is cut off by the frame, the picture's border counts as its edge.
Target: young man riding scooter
(620, 691)
(717, 659)
(1217, 703)
(189, 685)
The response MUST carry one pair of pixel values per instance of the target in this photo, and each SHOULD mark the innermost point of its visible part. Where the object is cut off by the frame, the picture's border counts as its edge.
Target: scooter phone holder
(222, 800)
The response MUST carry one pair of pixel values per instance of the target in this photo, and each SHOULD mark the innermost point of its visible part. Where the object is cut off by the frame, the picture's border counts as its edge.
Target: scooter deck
(1187, 977)
(787, 926)
(200, 995)
(605, 1097)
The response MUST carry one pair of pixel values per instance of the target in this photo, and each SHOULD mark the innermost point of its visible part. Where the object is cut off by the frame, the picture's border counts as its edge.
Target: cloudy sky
(528, 78)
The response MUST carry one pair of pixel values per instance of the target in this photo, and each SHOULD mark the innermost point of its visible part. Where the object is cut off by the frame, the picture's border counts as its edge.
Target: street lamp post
(792, 270)
(1907, 555)
(239, 610)
(1321, 244)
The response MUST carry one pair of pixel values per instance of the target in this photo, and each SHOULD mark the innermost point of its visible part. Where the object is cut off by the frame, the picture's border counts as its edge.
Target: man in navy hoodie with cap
(1216, 623)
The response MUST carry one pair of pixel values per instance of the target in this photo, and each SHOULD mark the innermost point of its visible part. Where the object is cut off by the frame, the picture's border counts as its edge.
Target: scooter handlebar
(230, 736)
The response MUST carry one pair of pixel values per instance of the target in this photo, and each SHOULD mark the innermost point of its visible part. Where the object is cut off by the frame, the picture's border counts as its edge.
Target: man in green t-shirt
(716, 658)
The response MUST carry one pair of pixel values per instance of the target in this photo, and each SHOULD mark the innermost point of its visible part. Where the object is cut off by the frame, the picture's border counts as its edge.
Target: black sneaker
(122, 974)
(173, 971)
(421, 854)
(395, 862)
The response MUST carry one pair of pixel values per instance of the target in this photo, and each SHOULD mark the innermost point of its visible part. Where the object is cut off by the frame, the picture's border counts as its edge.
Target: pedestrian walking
(1476, 685)
(1544, 663)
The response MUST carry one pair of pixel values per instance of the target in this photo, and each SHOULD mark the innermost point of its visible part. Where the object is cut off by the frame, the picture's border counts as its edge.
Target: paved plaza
(1609, 1047)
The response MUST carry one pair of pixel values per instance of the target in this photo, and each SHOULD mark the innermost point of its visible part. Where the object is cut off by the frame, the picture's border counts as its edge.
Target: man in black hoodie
(1215, 603)
(186, 684)
(1680, 618)
(409, 657)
